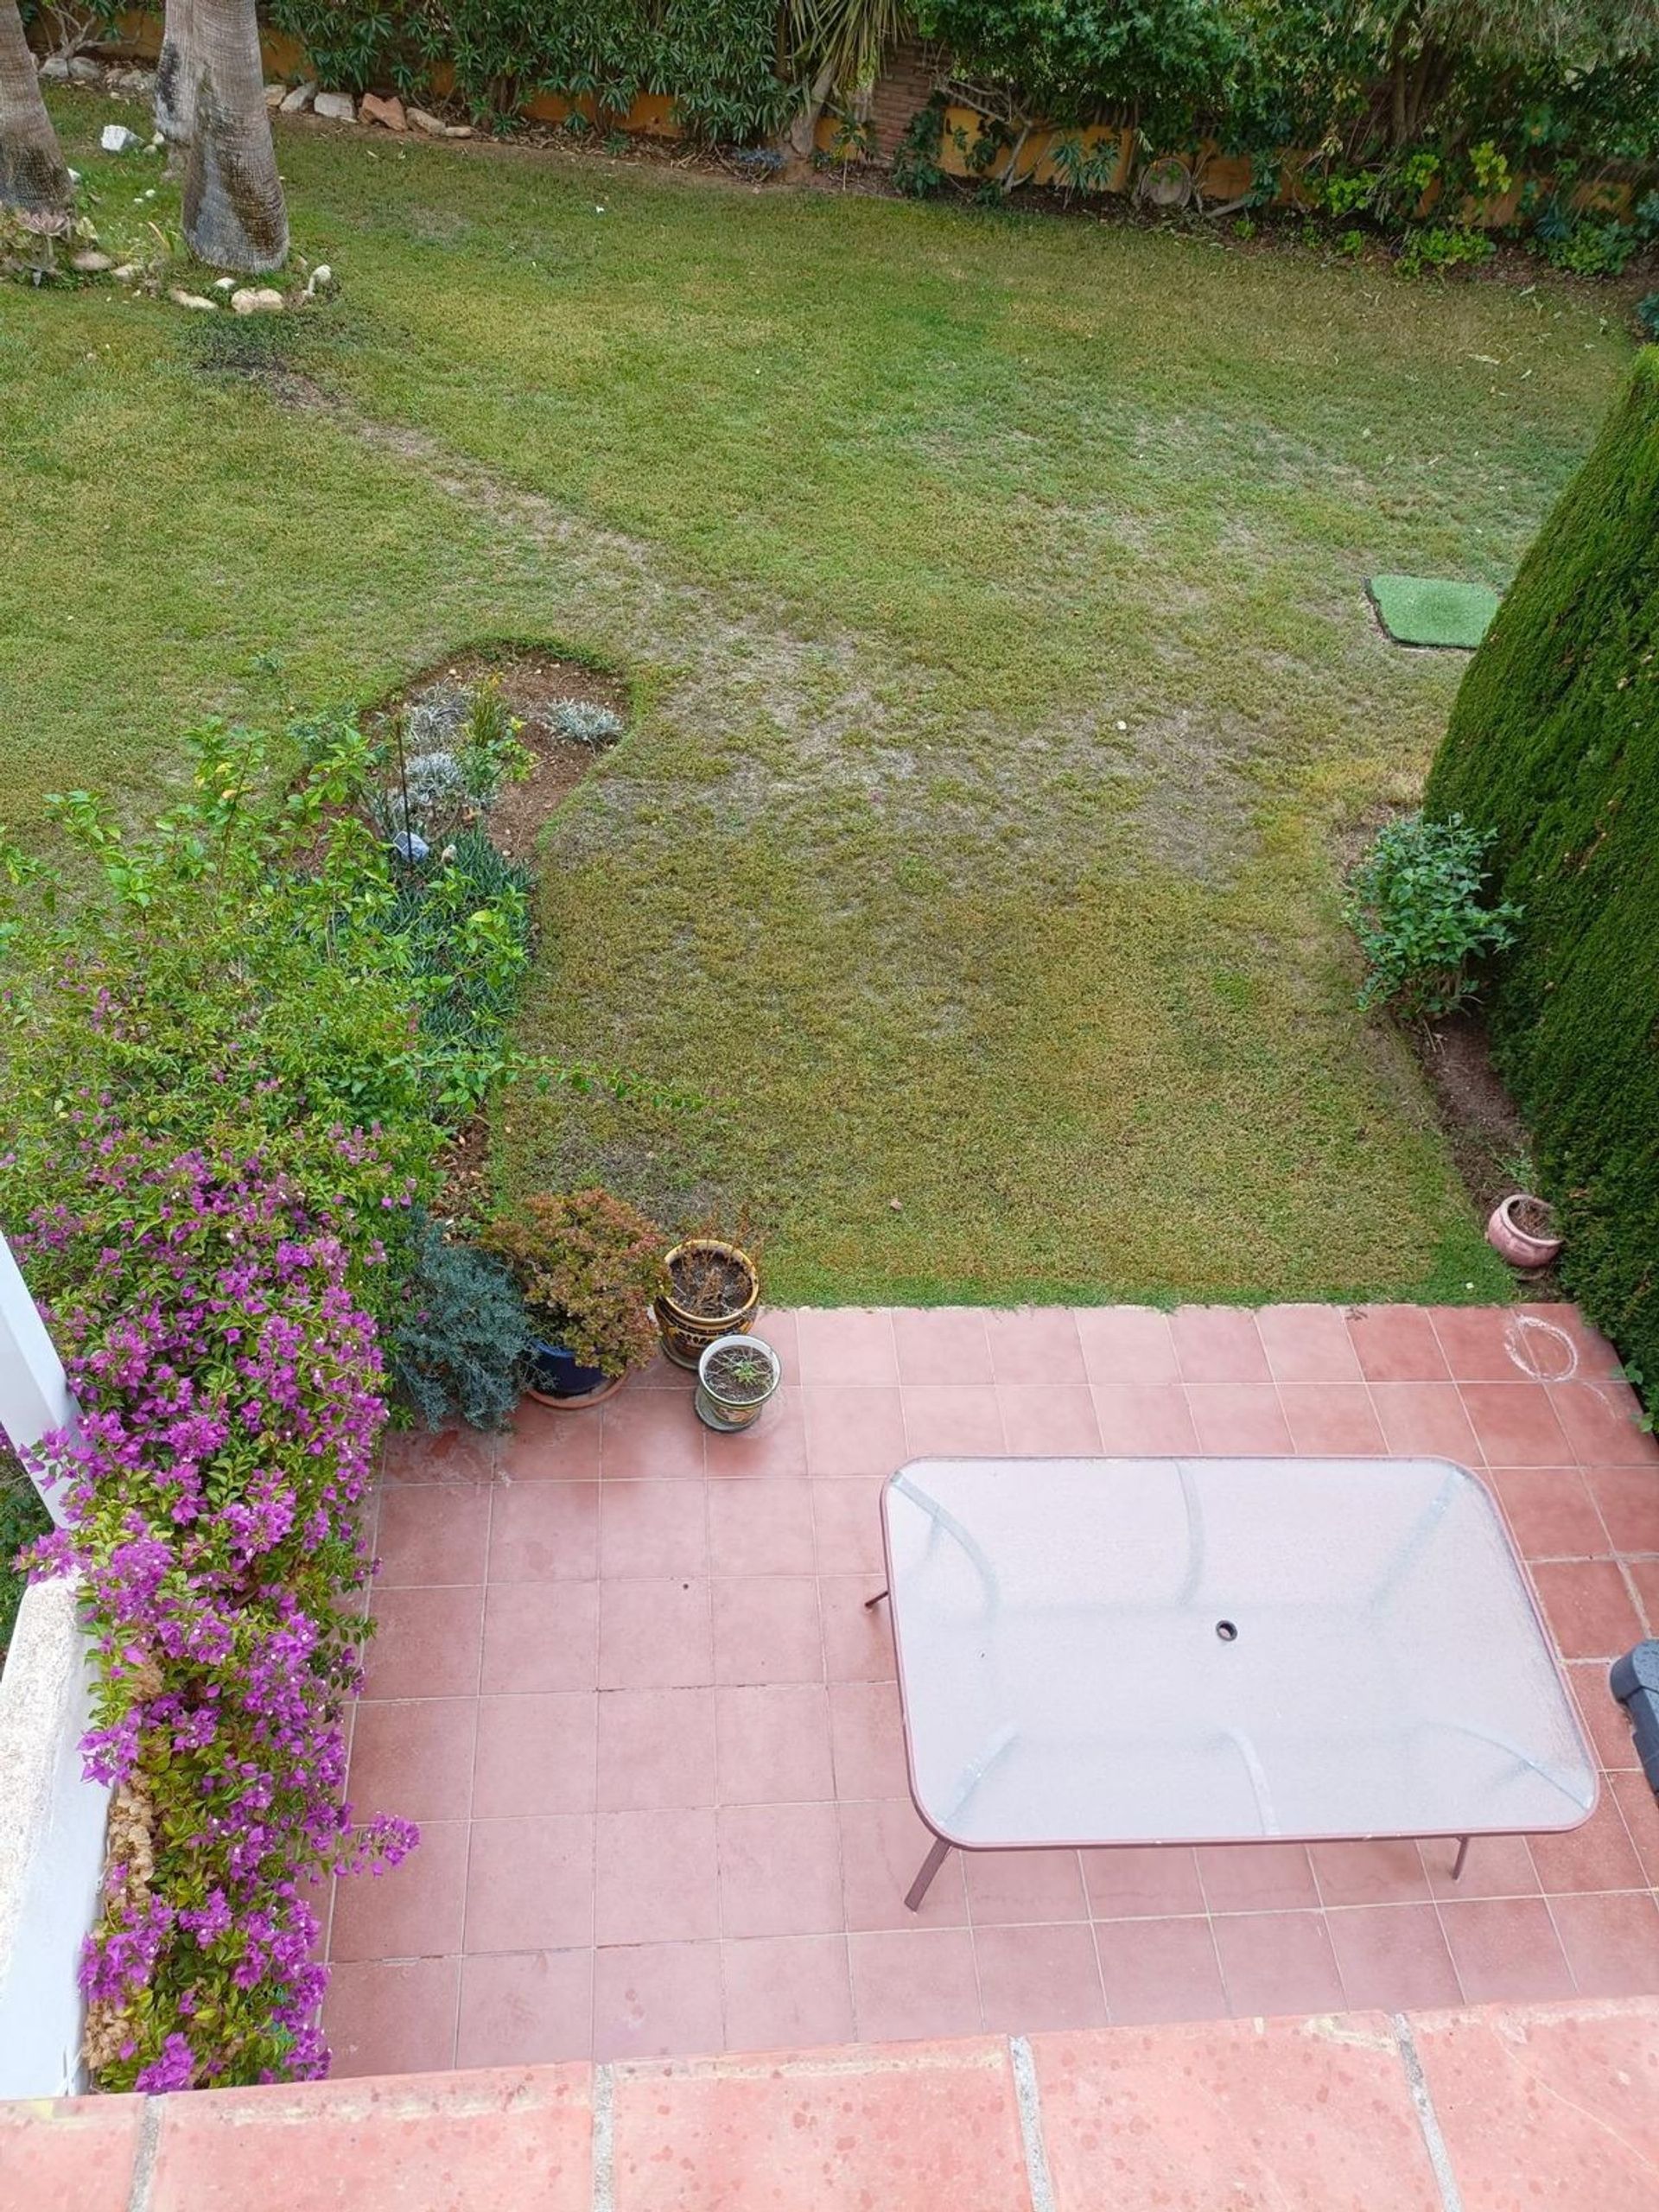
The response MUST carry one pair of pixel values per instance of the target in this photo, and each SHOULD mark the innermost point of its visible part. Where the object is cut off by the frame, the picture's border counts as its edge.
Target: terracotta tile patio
(625, 1681)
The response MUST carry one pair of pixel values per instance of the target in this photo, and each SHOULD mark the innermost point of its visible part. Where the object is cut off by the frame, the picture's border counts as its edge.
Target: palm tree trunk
(800, 137)
(233, 213)
(33, 176)
(178, 68)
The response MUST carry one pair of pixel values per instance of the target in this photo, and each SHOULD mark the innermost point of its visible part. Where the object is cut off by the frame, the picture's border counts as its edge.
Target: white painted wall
(52, 1824)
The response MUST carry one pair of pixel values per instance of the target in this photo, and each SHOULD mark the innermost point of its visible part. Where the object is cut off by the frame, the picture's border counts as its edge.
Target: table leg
(876, 1600)
(1463, 1853)
(931, 1865)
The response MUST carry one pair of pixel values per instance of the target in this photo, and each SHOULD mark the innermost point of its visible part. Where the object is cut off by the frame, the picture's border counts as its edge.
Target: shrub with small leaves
(458, 1343)
(1647, 314)
(586, 722)
(590, 1266)
(1415, 903)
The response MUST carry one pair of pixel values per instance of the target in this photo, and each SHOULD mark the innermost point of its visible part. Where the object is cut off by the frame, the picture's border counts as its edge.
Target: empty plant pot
(713, 1291)
(1522, 1229)
(736, 1375)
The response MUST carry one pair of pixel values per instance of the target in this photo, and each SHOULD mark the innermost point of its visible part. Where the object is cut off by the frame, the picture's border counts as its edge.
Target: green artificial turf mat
(1431, 611)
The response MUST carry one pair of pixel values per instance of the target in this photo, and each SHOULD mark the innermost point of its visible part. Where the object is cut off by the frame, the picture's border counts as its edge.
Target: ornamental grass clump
(231, 1400)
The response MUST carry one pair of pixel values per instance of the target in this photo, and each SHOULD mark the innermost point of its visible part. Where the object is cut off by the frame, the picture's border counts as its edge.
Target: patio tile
(916, 1982)
(867, 1736)
(392, 2016)
(1627, 1498)
(1158, 1970)
(655, 1635)
(1594, 1355)
(1636, 1801)
(651, 2000)
(766, 1629)
(1515, 1424)
(779, 1869)
(1032, 1979)
(1599, 1419)
(1392, 1958)
(1142, 1882)
(541, 1636)
(1496, 1866)
(413, 1758)
(1006, 1887)
(430, 1533)
(1605, 1721)
(547, 1446)
(856, 1429)
(526, 2008)
(535, 1754)
(652, 1528)
(1332, 1419)
(774, 1449)
(1597, 1856)
(761, 1528)
(1277, 1962)
(774, 1744)
(780, 1327)
(944, 1418)
(1612, 1942)
(1283, 2117)
(846, 1344)
(1308, 1343)
(1396, 1344)
(1219, 1344)
(1238, 1418)
(529, 1884)
(1588, 1608)
(1487, 1344)
(787, 1992)
(1644, 1574)
(847, 1526)
(1035, 1344)
(883, 1843)
(1505, 1949)
(446, 1455)
(656, 1748)
(1380, 1870)
(655, 1876)
(76, 2157)
(546, 1532)
(1150, 1417)
(857, 1637)
(651, 1435)
(411, 1910)
(1126, 1343)
(1053, 1421)
(1550, 1511)
(1426, 1420)
(1256, 1877)
(943, 1344)
(426, 1643)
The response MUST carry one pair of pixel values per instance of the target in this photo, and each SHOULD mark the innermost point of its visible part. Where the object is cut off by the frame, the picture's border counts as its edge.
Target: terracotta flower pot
(687, 1335)
(1522, 1247)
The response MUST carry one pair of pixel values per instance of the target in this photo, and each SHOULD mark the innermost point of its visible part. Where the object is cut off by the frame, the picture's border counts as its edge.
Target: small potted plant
(587, 1265)
(713, 1290)
(1522, 1229)
(736, 1375)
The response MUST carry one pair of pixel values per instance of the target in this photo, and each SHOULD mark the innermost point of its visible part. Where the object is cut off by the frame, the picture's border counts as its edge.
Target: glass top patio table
(1196, 1651)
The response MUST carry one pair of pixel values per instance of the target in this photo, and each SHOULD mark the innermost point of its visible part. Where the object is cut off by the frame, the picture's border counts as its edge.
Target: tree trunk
(178, 70)
(233, 212)
(800, 137)
(33, 177)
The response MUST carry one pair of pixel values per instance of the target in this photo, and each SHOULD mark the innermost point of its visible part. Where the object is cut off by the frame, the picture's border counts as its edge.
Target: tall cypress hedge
(1553, 743)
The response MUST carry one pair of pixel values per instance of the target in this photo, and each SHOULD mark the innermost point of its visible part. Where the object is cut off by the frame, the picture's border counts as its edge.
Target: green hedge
(1554, 743)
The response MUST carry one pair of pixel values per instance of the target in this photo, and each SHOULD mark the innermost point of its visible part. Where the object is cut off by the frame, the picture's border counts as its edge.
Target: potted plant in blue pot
(587, 1265)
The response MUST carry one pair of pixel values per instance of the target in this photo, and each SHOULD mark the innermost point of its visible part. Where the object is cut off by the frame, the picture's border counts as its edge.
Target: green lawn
(992, 588)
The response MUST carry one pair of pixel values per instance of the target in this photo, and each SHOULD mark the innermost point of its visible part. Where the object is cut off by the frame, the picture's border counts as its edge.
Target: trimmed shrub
(459, 1346)
(1553, 746)
(1415, 903)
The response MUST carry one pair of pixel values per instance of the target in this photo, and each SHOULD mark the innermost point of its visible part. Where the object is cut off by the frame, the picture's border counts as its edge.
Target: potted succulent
(1522, 1229)
(587, 1265)
(736, 1375)
(713, 1290)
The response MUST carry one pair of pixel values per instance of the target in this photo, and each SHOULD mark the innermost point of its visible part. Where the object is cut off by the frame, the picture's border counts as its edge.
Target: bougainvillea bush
(230, 1393)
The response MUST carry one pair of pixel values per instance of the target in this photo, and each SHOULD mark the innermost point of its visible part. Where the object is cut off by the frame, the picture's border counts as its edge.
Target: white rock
(74, 176)
(298, 101)
(256, 300)
(274, 95)
(126, 272)
(434, 125)
(457, 130)
(224, 284)
(83, 70)
(190, 300)
(90, 262)
(55, 68)
(336, 107)
(116, 139)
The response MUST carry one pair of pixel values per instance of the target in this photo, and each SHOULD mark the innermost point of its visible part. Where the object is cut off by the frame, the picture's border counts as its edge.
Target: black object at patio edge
(1634, 1681)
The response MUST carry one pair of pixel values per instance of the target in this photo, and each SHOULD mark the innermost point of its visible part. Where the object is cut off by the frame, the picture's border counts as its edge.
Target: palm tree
(33, 177)
(838, 45)
(210, 104)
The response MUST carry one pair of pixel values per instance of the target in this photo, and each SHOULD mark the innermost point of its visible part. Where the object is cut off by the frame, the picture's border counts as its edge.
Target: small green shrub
(1440, 246)
(1592, 248)
(589, 1265)
(586, 724)
(1647, 315)
(458, 1344)
(1415, 903)
(916, 169)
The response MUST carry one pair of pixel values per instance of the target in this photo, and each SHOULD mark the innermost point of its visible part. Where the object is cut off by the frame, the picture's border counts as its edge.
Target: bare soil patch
(1482, 1123)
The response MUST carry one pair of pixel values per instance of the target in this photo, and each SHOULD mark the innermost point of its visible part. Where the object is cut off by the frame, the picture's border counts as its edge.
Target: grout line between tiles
(604, 2138)
(1028, 2105)
(1440, 2157)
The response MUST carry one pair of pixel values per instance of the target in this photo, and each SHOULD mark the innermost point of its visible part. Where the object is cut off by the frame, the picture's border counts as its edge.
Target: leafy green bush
(916, 169)
(1647, 314)
(1415, 905)
(1553, 749)
(458, 1345)
(1441, 246)
(463, 921)
(22, 1518)
(1592, 248)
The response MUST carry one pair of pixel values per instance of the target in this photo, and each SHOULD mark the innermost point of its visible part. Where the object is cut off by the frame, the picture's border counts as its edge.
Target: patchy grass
(992, 591)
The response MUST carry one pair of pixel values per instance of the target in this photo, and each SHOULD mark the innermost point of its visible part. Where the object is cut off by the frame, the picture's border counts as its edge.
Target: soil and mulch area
(1481, 1123)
